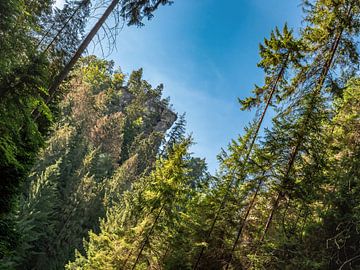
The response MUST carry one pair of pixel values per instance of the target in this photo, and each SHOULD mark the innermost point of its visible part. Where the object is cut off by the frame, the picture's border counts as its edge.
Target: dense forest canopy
(96, 171)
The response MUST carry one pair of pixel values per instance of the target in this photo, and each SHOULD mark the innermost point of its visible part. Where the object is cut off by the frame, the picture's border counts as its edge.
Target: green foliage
(96, 158)
(112, 186)
(20, 135)
(285, 221)
(279, 53)
(290, 199)
(135, 11)
(35, 43)
(276, 206)
(25, 115)
(147, 223)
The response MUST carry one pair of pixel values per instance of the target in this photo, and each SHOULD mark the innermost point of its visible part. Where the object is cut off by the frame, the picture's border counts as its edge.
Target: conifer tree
(329, 239)
(23, 83)
(24, 80)
(339, 213)
(303, 118)
(328, 47)
(88, 140)
(279, 53)
(140, 227)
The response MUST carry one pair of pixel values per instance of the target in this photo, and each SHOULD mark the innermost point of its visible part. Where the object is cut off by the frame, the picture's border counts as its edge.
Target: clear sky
(205, 53)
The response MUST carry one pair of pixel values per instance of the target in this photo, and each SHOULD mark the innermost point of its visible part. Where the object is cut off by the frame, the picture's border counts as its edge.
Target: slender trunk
(2, 93)
(273, 90)
(296, 149)
(222, 204)
(45, 35)
(312, 104)
(268, 102)
(243, 223)
(147, 237)
(141, 232)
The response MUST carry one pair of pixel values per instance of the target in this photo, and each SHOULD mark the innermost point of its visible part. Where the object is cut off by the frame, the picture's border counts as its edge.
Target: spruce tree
(279, 53)
(302, 120)
(136, 231)
(97, 163)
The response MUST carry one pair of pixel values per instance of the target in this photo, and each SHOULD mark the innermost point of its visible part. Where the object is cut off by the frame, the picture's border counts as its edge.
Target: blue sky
(205, 53)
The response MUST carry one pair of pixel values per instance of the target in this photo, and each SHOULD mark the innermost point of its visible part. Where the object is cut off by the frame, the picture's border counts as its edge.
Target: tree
(298, 131)
(28, 106)
(86, 147)
(279, 53)
(133, 13)
(137, 230)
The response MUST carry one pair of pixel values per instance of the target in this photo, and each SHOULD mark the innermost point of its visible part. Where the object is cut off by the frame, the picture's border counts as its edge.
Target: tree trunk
(148, 236)
(273, 90)
(295, 151)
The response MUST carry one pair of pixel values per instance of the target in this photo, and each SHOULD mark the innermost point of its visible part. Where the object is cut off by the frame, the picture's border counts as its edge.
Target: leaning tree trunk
(252, 202)
(324, 73)
(296, 149)
(147, 237)
(247, 157)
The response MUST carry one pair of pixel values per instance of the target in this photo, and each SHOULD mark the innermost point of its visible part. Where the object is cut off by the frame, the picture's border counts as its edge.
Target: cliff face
(165, 117)
(108, 136)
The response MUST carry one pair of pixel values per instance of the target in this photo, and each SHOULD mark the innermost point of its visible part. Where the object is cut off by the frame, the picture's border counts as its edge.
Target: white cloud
(59, 3)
